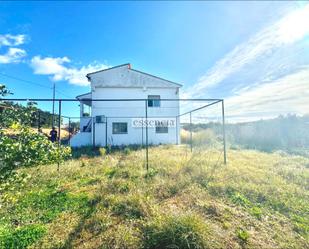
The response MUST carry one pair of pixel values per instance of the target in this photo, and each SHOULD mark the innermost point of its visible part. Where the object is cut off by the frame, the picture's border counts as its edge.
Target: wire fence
(190, 124)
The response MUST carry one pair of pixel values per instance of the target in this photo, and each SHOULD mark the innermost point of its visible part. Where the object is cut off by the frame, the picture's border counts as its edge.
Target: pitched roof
(102, 70)
(128, 66)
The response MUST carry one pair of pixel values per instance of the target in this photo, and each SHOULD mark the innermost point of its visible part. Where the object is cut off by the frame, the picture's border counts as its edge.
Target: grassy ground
(185, 200)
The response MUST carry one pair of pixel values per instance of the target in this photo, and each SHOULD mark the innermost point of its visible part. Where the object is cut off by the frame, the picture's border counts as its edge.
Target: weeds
(170, 231)
(183, 201)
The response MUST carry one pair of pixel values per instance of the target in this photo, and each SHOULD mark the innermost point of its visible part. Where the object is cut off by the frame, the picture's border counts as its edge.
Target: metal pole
(59, 122)
(176, 130)
(142, 136)
(59, 132)
(93, 132)
(191, 131)
(54, 89)
(69, 130)
(146, 112)
(106, 132)
(223, 131)
(39, 120)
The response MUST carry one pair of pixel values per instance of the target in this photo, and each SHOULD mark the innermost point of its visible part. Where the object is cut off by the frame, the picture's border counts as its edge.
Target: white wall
(124, 111)
(84, 122)
(81, 139)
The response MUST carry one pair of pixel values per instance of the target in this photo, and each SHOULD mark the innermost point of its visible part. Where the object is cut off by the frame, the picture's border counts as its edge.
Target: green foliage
(4, 91)
(110, 172)
(185, 231)
(21, 237)
(151, 173)
(28, 148)
(243, 235)
(102, 151)
(14, 113)
(257, 212)
(28, 114)
(47, 204)
(239, 199)
(126, 150)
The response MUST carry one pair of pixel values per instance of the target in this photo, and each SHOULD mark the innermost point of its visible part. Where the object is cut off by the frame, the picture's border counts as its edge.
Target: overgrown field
(185, 200)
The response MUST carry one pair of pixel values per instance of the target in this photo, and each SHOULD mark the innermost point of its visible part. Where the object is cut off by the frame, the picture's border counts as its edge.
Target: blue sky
(255, 55)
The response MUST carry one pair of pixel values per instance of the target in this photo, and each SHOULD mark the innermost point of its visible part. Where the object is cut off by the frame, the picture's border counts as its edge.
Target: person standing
(53, 135)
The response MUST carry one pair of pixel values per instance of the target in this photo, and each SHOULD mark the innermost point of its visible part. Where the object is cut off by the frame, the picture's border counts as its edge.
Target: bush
(187, 231)
(27, 148)
(102, 151)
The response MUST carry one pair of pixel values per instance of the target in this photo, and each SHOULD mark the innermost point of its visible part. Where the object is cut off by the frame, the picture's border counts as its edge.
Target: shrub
(151, 173)
(169, 231)
(28, 148)
(102, 151)
(127, 151)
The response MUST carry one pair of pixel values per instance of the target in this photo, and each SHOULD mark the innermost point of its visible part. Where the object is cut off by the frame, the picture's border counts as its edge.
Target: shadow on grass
(92, 205)
(92, 152)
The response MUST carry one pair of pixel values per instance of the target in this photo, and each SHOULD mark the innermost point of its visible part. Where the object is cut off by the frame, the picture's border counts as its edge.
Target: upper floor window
(154, 101)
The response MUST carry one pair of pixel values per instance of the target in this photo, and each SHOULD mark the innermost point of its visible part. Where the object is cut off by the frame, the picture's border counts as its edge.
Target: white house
(119, 99)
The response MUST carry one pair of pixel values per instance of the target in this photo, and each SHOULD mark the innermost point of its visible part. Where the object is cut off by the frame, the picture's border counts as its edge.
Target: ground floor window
(120, 128)
(161, 129)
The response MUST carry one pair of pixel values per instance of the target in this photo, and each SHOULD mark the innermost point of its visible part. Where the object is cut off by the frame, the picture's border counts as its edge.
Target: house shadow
(92, 152)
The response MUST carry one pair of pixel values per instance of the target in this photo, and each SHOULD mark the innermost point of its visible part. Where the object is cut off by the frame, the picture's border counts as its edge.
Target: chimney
(129, 66)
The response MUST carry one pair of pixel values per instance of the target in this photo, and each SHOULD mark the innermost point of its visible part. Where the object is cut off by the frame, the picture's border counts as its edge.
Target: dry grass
(185, 200)
(64, 133)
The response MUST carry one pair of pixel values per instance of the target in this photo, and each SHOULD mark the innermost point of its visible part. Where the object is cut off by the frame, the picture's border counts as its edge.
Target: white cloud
(13, 55)
(9, 40)
(286, 95)
(290, 29)
(59, 69)
(289, 94)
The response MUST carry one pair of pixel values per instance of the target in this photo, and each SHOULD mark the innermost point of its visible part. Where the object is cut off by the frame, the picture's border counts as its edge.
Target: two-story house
(120, 100)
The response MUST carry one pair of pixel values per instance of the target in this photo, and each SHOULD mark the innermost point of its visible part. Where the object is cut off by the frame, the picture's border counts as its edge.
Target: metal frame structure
(212, 102)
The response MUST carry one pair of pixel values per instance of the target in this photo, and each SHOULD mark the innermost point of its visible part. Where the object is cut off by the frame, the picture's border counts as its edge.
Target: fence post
(142, 135)
(93, 132)
(106, 133)
(54, 86)
(176, 131)
(223, 131)
(146, 112)
(191, 131)
(69, 131)
(59, 132)
(59, 122)
(39, 120)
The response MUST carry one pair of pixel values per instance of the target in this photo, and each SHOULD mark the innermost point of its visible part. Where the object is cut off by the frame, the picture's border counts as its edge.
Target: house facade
(118, 102)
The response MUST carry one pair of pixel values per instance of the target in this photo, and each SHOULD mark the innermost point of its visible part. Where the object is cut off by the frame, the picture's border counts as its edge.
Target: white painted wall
(125, 83)
(81, 139)
(124, 111)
